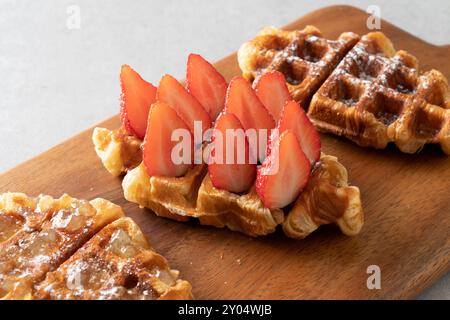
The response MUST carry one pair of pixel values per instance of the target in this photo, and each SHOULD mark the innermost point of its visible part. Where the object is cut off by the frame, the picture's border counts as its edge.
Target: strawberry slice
(295, 119)
(135, 101)
(206, 84)
(244, 104)
(273, 92)
(170, 91)
(284, 173)
(158, 145)
(235, 174)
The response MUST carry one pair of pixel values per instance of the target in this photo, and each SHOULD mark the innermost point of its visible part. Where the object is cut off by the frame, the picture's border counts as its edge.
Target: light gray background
(55, 82)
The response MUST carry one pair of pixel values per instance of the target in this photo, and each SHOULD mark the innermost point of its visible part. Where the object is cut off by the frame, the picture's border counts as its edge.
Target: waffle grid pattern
(360, 88)
(376, 96)
(304, 57)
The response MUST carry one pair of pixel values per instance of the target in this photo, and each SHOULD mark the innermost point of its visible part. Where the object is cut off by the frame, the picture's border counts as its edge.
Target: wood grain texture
(406, 201)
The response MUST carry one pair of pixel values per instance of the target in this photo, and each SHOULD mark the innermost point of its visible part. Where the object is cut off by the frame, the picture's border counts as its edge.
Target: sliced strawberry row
(172, 107)
(245, 111)
(202, 100)
(291, 154)
(175, 109)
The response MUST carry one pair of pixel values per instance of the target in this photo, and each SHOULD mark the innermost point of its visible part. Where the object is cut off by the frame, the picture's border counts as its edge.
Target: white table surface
(56, 81)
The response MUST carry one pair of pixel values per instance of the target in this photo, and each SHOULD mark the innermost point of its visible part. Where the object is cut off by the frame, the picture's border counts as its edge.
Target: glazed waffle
(193, 196)
(117, 263)
(304, 57)
(40, 235)
(51, 231)
(376, 96)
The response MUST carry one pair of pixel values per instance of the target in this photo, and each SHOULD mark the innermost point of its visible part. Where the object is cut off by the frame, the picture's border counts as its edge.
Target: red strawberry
(136, 98)
(273, 92)
(187, 107)
(158, 144)
(244, 104)
(206, 84)
(284, 173)
(294, 118)
(232, 174)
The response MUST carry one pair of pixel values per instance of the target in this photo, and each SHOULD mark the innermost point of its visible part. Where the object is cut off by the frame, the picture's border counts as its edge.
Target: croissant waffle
(376, 96)
(38, 234)
(117, 263)
(193, 195)
(304, 57)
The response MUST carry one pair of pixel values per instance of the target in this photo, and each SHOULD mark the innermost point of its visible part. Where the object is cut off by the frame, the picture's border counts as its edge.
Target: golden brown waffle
(117, 263)
(194, 196)
(376, 96)
(304, 57)
(50, 231)
(39, 257)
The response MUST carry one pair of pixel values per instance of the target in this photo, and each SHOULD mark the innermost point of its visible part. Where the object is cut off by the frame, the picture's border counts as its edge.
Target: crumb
(221, 256)
(91, 189)
(225, 282)
(190, 263)
(239, 261)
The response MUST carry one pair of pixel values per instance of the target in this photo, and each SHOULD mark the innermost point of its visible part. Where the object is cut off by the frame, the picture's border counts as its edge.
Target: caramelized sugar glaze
(74, 249)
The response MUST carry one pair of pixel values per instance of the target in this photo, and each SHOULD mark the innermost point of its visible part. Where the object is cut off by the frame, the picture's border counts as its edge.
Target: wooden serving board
(406, 201)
